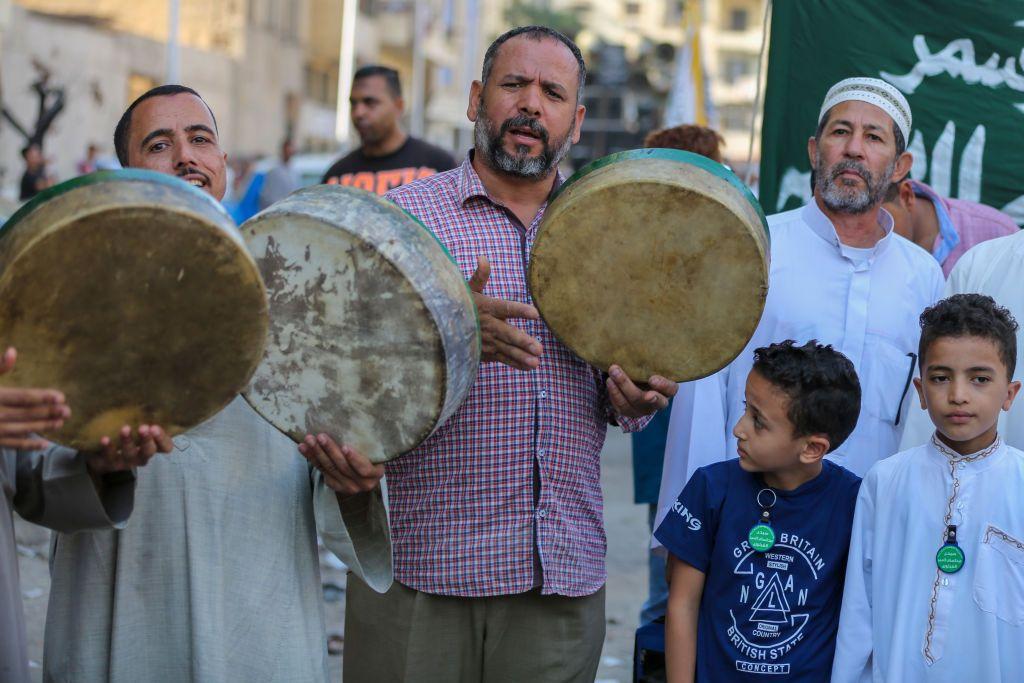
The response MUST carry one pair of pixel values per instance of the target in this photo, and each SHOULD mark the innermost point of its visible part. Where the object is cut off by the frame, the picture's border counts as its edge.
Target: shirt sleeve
(853, 643)
(697, 435)
(54, 489)
(355, 528)
(688, 529)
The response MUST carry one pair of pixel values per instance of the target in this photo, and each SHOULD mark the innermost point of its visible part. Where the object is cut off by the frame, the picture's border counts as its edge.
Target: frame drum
(132, 293)
(374, 337)
(655, 260)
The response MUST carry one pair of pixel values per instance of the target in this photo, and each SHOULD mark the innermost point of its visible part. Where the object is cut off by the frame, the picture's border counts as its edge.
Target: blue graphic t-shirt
(768, 616)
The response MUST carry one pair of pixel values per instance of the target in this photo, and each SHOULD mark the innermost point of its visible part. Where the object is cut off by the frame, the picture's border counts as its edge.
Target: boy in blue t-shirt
(758, 545)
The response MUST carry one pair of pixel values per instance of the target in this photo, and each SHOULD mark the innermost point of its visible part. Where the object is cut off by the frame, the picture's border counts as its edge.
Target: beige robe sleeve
(356, 530)
(55, 490)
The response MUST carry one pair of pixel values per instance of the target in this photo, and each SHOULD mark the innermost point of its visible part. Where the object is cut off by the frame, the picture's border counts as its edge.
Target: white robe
(996, 268)
(868, 310)
(216, 576)
(978, 632)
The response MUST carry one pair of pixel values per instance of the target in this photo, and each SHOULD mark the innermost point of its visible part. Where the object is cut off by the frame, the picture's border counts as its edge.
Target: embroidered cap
(873, 91)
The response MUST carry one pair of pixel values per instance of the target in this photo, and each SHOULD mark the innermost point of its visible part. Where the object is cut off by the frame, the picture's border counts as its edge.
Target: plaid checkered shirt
(464, 519)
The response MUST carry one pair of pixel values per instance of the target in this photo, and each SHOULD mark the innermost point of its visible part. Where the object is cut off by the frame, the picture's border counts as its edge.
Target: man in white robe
(995, 268)
(839, 275)
(216, 578)
(59, 489)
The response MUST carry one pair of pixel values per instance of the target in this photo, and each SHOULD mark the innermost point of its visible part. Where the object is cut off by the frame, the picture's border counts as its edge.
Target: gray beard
(488, 144)
(841, 199)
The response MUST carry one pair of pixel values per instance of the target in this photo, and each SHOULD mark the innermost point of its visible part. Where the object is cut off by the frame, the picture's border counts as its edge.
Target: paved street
(627, 538)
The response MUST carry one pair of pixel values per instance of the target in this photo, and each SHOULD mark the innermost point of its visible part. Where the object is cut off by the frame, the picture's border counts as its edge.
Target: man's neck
(523, 196)
(858, 230)
(926, 223)
(389, 145)
(792, 478)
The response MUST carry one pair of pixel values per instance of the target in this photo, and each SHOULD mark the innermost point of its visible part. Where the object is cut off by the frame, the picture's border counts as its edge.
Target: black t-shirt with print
(414, 159)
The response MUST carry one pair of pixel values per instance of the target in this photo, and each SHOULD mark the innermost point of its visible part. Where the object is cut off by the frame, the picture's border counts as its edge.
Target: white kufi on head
(873, 91)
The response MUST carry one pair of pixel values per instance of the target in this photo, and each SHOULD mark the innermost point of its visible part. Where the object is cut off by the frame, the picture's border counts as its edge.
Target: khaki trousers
(405, 635)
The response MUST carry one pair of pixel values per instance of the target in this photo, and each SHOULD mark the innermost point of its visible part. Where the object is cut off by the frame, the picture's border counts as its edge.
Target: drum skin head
(655, 260)
(373, 333)
(132, 293)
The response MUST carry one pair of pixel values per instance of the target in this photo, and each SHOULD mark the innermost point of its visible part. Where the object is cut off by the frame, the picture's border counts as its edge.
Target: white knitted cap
(873, 91)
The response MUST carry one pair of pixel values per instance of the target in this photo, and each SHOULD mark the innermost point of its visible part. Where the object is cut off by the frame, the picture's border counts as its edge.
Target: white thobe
(865, 305)
(216, 576)
(977, 622)
(996, 268)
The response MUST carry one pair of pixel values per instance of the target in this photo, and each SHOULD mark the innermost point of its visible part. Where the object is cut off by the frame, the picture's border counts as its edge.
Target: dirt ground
(627, 573)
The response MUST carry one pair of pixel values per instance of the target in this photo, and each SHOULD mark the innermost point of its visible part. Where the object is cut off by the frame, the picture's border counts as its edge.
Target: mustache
(524, 121)
(851, 165)
(192, 170)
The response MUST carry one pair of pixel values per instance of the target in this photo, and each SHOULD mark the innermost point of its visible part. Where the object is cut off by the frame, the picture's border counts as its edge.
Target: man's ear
(815, 448)
(902, 166)
(400, 105)
(920, 392)
(812, 150)
(476, 91)
(906, 195)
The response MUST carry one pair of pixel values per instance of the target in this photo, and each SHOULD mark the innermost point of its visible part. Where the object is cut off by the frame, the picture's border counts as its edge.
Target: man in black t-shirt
(35, 179)
(387, 157)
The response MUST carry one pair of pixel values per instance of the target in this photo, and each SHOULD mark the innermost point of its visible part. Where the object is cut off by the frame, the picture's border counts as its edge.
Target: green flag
(959, 64)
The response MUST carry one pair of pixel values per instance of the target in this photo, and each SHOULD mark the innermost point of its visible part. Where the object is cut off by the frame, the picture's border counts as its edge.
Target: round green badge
(950, 559)
(761, 538)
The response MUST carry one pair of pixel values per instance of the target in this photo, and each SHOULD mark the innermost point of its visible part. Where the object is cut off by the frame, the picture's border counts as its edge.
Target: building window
(738, 19)
(632, 8)
(736, 117)
(736, 67)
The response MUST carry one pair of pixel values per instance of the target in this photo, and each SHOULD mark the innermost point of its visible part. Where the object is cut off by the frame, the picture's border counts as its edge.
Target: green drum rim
(678, 156)
(120, 175)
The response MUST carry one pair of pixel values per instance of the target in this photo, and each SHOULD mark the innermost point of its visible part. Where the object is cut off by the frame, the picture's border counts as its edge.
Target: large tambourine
(655, 260)
(132, 293)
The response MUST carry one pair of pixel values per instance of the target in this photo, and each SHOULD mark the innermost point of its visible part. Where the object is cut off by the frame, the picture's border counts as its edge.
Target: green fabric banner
(960, 64)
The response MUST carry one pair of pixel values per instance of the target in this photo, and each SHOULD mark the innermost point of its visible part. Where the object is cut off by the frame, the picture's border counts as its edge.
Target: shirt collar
(976, 462)
(470, 186)
(948, 238)
(820, 224)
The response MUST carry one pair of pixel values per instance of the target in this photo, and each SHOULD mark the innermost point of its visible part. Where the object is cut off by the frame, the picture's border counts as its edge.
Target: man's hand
(128, 450)
(346, 471)
(24, 412)
(502, 342)
(629, 400)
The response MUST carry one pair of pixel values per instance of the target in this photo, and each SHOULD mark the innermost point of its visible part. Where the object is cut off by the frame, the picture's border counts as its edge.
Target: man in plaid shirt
(497, 518)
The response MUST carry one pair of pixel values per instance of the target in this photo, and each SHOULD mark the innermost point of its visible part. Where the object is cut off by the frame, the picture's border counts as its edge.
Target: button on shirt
(866, 305)
(467, 516)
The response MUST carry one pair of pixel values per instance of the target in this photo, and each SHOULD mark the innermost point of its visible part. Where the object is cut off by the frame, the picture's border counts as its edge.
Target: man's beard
(488, 144)
(845, 199)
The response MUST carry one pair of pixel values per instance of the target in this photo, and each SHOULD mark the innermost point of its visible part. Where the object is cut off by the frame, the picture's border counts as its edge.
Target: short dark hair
(537, 33)
(970, 315)
(897, 135)
(389, 75)
(123, 129)
(821, 384)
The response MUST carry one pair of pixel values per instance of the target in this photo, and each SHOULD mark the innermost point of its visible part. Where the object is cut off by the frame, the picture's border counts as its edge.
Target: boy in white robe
(935, 581)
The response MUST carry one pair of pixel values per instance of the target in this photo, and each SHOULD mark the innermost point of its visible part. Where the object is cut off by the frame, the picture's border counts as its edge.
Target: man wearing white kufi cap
(839, 275)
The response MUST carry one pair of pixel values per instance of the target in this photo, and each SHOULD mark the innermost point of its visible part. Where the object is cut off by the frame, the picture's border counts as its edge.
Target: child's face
(963, 386)
(765, 434)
